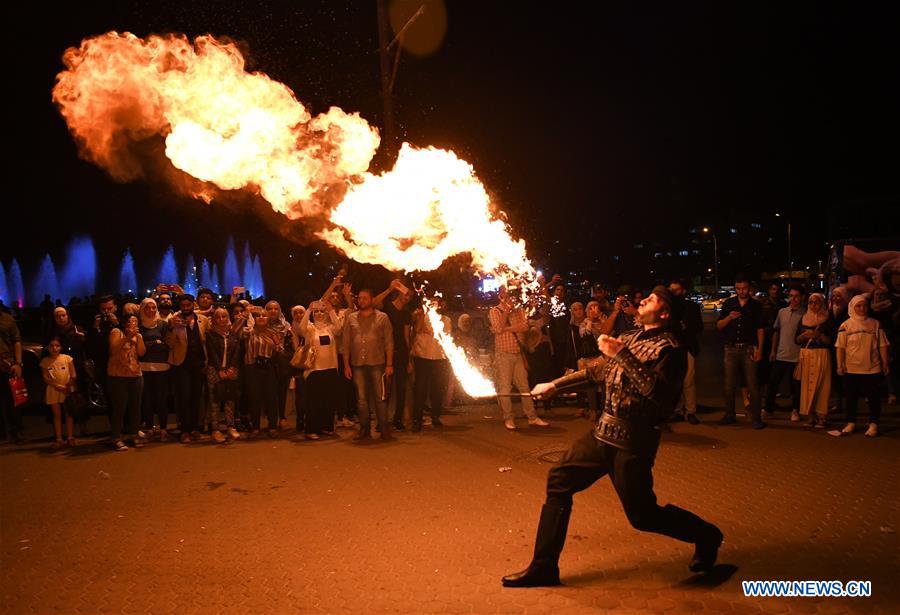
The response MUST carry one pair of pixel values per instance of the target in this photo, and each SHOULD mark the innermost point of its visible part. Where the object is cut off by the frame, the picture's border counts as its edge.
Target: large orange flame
(237, 130)
(472, 381)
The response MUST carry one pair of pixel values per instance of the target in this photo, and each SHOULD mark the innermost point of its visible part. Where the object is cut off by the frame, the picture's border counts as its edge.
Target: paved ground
(429, 524)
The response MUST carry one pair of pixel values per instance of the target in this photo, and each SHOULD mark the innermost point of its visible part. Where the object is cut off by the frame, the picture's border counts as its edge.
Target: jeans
(510, 369)
(432, 378)
(868, 385)
(779, 370)
(368, 380)
(155, 400)
(741, 359)
(124, 395)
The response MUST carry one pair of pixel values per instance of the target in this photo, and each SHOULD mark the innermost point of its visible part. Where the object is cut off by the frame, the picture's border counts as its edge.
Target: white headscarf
(851, 311)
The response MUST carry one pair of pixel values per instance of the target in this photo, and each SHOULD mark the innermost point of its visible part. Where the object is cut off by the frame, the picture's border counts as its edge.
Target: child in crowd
(58, 371)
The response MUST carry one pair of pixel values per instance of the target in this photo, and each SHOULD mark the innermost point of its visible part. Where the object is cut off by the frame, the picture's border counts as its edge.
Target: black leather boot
(543, 570)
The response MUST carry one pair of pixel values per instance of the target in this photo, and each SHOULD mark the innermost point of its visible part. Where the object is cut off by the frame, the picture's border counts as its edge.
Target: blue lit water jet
(190, 275)
(16, 286)
(168, 270)
(127, 275)
(79, 274)
(45, 282)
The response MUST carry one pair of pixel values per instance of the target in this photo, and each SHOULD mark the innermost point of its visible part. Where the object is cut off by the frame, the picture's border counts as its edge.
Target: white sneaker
(795, 416)
(848, 429)
(510, 424)
(538, 422)
(872, 431)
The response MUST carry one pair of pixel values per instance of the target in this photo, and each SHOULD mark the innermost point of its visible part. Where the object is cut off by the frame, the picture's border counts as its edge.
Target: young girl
(58, 371)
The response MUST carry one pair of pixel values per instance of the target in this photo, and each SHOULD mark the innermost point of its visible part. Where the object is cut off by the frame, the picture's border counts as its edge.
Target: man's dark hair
(105, 299)
(365, 289)
(185, 297)
(800, 288)
(741, 279)
(206, 291)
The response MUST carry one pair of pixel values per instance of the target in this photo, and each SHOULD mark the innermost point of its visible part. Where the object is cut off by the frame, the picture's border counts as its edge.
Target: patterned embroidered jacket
(640, 386)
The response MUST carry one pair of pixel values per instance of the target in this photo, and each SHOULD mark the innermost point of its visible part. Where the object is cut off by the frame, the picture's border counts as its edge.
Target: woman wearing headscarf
(296, 382)
(317, 330)
(815, 335)
(154, 369)
(594, 323)
(280, 330)
(264, 347)
(862, 358)
(223, 352)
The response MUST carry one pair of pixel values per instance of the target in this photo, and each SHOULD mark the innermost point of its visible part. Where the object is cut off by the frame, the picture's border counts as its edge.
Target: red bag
(19, 391)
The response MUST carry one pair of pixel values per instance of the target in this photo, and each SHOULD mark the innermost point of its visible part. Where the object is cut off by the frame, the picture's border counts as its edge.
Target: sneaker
(234, 433)
(538, 422)
(759, 425)
(692, 418)
(812, 422)
(120, 446)
(142, 435)
(872, 431)
(821, 423)
(728, 419)
(218, 437)
(848, 429)
(398, 426)
(185, 438)
(510, 424)
(795, 416)
(345, 422)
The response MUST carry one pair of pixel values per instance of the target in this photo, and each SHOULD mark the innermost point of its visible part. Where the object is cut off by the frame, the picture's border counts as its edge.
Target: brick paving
(428, 524)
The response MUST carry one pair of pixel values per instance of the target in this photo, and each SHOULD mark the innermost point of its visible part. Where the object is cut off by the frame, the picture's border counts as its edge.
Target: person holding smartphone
(318, 329)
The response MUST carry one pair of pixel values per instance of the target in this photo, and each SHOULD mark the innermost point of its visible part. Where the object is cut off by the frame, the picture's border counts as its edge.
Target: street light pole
(706, 229)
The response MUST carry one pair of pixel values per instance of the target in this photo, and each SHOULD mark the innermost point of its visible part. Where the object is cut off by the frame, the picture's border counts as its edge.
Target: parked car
(31, 371)
(714, 302)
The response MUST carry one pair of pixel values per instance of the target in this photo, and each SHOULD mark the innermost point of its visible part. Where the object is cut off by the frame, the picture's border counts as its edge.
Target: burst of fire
(473, 381)
(238, 130)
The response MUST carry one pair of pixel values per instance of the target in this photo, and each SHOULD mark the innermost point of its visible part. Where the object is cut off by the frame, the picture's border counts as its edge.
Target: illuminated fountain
(127, 275)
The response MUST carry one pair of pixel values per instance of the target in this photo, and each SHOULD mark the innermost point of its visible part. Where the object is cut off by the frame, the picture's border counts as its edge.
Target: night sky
(595, 125)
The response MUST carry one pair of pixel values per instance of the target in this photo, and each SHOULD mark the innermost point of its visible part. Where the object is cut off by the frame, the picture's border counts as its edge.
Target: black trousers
(778, 372)
(155, 400)
(588, 460)
(401, 360)
(262, 381)
(432, 380)
(187, 384)
(10, 414)
(863, 385)
(124, 396)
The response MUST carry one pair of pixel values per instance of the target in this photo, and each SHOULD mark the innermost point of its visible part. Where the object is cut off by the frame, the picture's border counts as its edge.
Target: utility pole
(384, 39)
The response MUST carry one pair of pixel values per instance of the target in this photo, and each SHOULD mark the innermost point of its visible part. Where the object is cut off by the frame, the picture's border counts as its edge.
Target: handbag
(305, 356)
(19, 391)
